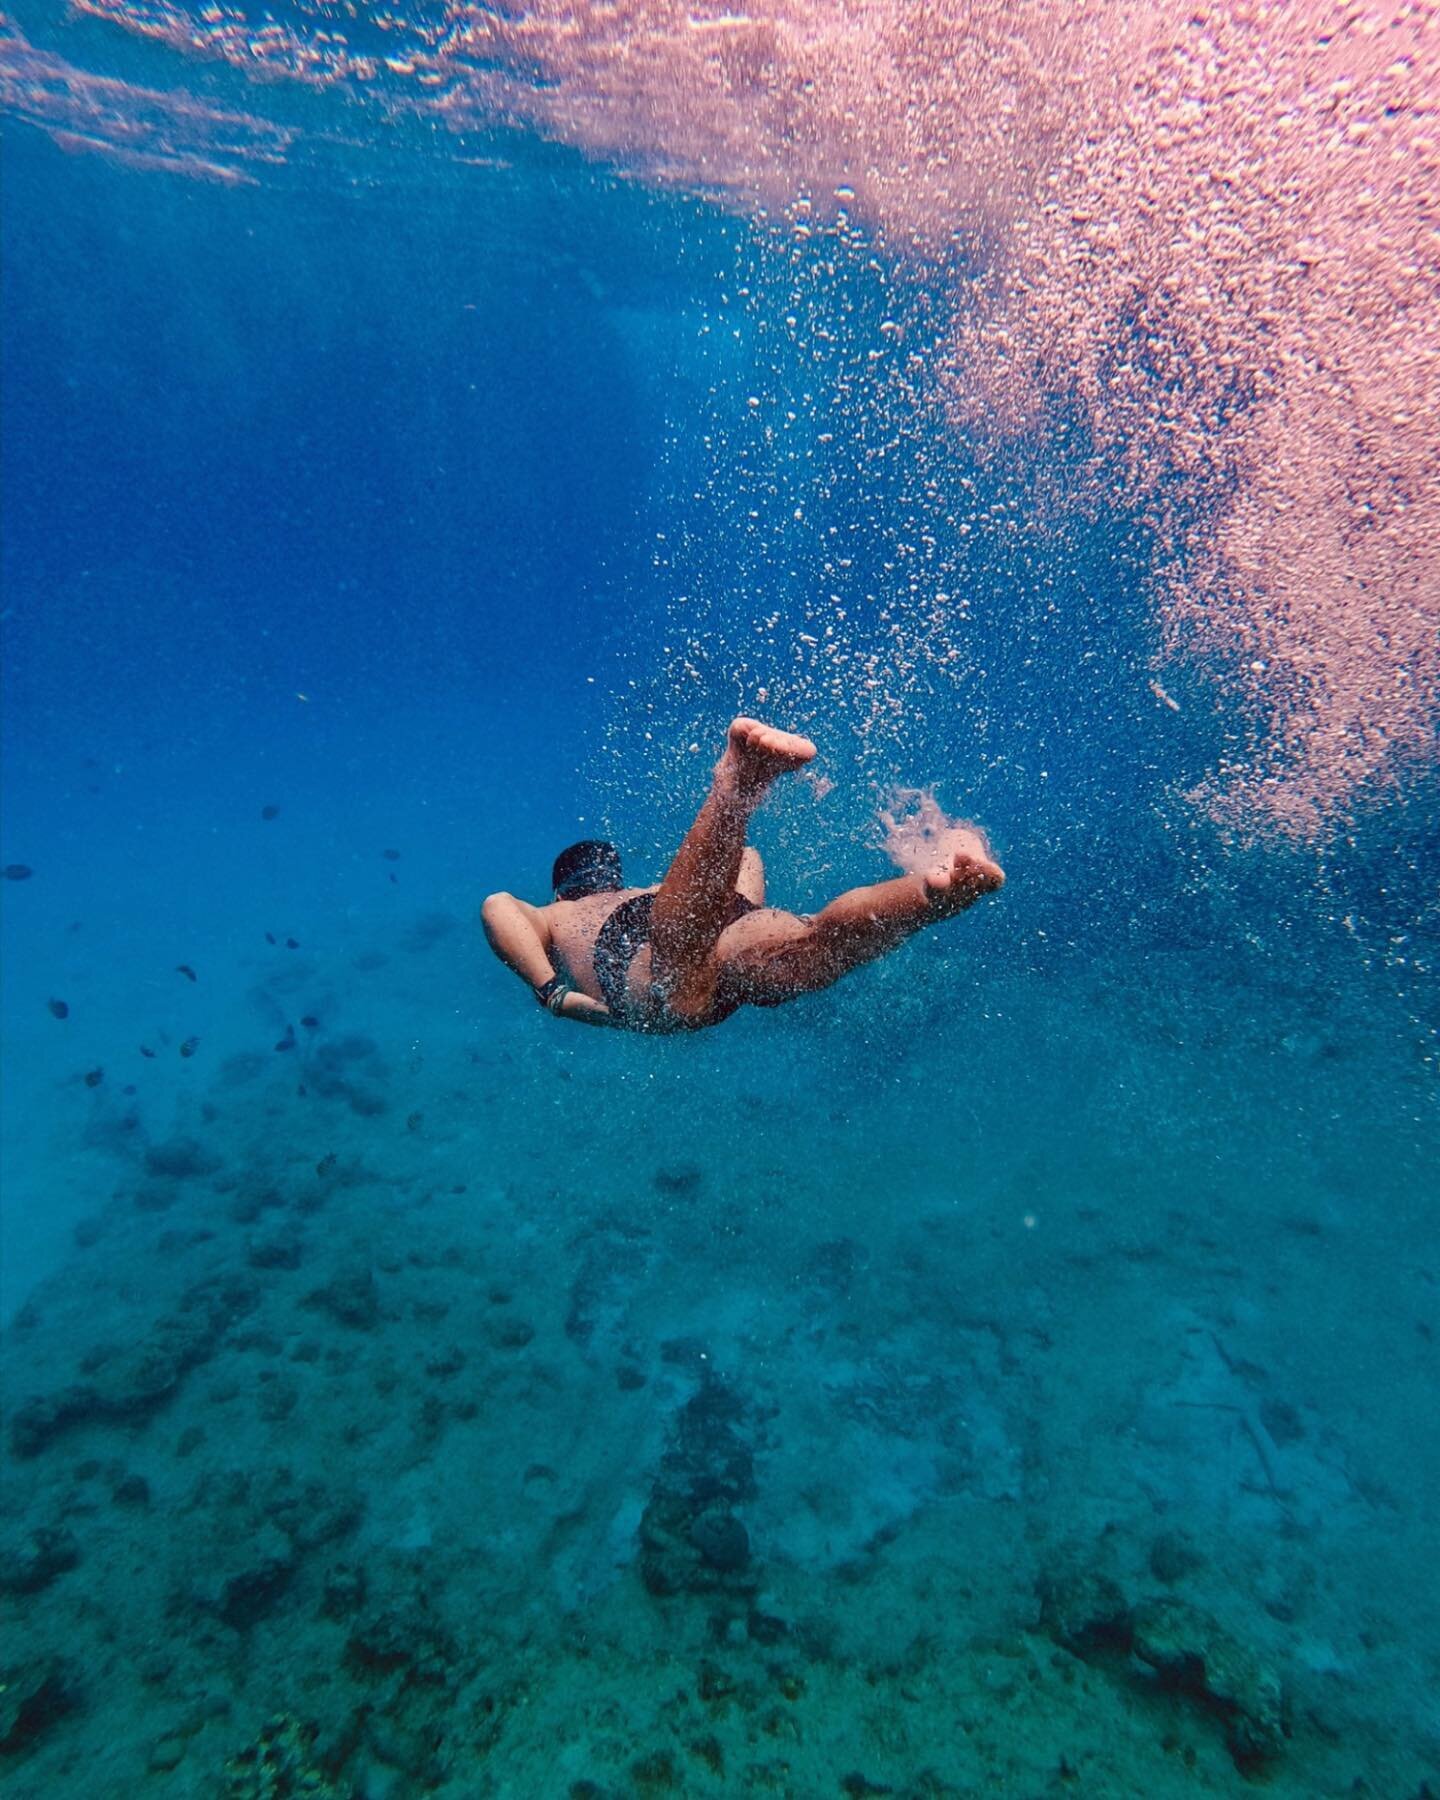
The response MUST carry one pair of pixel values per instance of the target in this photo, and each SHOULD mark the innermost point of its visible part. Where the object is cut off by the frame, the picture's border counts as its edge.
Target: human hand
(969, 875)
(584, 1010)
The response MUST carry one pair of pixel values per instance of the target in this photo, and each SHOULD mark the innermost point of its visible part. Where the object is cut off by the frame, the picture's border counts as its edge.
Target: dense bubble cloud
(1189, 258)
(1235, 276)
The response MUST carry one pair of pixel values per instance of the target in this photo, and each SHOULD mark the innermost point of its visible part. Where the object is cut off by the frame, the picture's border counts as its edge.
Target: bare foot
(968, 879)
(757, 753)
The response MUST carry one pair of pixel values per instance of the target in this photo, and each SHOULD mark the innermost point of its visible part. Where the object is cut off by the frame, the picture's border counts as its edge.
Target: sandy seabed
(524, 1412)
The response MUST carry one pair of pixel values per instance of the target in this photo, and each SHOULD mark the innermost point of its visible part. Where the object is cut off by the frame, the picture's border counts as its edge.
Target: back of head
(589, 867)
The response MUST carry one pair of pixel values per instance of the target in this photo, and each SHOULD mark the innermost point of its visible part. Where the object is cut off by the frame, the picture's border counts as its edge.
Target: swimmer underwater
(702, 944)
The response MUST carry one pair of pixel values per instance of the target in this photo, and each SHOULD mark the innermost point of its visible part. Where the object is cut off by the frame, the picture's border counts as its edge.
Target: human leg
(772, 957)
(750, 882)
(693, 903)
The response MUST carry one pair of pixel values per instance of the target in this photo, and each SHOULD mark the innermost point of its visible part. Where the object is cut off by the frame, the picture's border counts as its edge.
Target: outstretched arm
(518, 934)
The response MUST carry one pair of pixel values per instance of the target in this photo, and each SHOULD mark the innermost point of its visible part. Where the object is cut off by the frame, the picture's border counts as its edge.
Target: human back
(575, 927)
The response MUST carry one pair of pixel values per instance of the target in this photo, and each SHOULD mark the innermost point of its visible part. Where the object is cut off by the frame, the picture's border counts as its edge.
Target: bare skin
(700, 965)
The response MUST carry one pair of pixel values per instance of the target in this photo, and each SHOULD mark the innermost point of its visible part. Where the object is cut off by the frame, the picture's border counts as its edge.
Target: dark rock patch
(429, 930)
(1173, 1557)
(691, 1539)
(31, 1565)
(132, 1382)
(33, 1695)
(836, 1264)
(345, 1590)
(1192, 1655)
(404, 1641)
(1183, 1650)
(349, 1068)
(253, 1197)
(1084, 1609)
(284, 1250)
(249, 1584)
(656, 1773)
(679, 1183)
(1282, 1421)
(314, 1514)
(509, 1333)
(181, 1159)
(254, 1592)
(721, 1539)
(351, 1298)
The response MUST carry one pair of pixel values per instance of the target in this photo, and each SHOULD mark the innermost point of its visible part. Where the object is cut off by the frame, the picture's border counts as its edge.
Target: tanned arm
(519, 936)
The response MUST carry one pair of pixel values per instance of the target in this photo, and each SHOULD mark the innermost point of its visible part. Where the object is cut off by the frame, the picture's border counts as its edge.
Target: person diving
(691, 951)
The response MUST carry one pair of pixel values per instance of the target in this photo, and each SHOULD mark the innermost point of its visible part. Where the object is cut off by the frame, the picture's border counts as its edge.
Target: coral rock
(49, 1551)
(181, 1159)
(33, 1696)
(1192, 1654)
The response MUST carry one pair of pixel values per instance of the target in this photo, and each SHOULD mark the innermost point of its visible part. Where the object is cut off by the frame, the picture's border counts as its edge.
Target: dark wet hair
(589, 867)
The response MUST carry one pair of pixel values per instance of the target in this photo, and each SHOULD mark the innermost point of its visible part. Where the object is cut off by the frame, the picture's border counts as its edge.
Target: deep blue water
(374, 502)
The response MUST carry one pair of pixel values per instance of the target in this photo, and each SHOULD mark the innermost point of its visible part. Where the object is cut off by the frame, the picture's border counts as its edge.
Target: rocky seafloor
(460, 1426)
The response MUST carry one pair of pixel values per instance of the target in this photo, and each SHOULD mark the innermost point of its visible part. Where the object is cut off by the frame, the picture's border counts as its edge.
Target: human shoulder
(541, 917)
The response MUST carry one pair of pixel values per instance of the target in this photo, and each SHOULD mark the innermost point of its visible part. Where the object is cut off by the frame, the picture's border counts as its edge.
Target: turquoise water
(1011, 1372)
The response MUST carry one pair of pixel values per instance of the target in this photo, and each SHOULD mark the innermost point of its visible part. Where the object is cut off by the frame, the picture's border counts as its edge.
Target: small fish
(185, 970)
(93, 1077)
(145, 1050)
(288, 1041)
(269, 812)
(59, 1009)
(391, 855)
(395, 879)
(129, 1088)
(17, 871)
(292, 943)
(310, 1022)
(270, 938)
(326, 1163)
(190, 1046)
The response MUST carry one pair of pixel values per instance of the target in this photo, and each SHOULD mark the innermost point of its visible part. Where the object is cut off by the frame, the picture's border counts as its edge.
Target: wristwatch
(551, 994)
